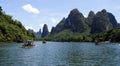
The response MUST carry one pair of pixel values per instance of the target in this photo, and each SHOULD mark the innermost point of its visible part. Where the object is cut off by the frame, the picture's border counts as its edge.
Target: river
(60, 54)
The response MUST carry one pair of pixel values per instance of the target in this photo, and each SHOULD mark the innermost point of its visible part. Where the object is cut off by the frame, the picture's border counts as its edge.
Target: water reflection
(60, 54)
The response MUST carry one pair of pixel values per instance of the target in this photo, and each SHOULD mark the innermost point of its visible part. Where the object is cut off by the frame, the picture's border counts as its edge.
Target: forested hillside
(12, 30)
(76, 27)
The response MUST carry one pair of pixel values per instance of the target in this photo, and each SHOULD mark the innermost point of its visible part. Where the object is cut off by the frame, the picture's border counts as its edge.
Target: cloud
(41, 25)
(29, 8)
(54, 20)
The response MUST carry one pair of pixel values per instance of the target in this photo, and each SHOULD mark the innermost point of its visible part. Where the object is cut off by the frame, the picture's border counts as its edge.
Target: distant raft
(28, 44)
(43, 41)
(96, 42)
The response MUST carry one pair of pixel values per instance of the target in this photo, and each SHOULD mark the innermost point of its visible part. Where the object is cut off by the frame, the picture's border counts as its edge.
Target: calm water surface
(60, 54)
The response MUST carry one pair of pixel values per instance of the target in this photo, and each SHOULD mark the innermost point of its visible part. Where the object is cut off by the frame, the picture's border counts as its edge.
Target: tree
(12, 30)
(0, 10)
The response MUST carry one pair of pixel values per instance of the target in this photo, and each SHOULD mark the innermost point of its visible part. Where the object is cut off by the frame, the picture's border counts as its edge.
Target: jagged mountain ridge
(40, 34)
(37, 34)
(45, 31)
(77, 23)
(94, 23)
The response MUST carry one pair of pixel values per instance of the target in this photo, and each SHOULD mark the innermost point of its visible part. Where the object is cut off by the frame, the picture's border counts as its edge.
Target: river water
(60, 54)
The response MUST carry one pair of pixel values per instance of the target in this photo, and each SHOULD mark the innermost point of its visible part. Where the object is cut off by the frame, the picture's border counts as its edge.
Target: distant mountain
(89, 19)
(102, 22)
(59, 27)
(75, 22)
(31, 31)
(45, 31)
(12, 30)
(76, 27)
(112, 20)
(94, 23)
(42, 34)
(52, 30)
(37, 34)
(118, 25)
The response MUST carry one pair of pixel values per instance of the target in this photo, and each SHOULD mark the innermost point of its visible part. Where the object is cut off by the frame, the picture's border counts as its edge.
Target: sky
(33, 14)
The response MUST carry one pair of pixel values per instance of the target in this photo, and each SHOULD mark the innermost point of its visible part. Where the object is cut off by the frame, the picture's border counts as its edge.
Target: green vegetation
(113, 34)
(100, 26)
(69, 36)
(12, 30)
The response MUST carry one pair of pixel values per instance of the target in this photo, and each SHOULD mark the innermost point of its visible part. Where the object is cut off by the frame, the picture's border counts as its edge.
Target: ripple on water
(60, 54)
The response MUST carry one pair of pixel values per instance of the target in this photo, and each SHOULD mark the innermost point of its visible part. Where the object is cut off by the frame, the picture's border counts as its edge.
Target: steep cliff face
(103, 21)
(76, 22)
(112, 20)
(52, 30)
(118, 25)
(90, 18)
(45, 31)
(59, 27)
(94, 23)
